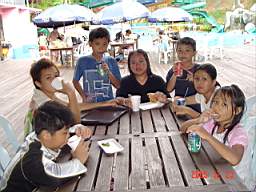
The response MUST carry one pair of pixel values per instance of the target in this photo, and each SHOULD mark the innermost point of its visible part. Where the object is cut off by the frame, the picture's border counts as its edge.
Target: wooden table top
(122, 43)
(61, 48)
(155, 158)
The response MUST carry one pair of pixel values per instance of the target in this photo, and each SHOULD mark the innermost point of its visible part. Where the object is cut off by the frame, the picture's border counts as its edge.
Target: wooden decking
(237, 67)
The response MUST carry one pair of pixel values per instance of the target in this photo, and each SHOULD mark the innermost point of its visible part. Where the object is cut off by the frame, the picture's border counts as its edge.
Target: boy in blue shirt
(99, 72)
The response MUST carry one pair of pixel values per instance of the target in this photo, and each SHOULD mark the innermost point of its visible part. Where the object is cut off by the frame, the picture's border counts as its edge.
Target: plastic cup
(135, 99)
(57, 83)
(73, 142)
(181, 101)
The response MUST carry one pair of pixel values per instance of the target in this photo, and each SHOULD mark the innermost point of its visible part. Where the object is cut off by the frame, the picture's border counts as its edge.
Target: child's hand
(105, 67)
(83, 131)
(81, 152)
(197, 128)
(112, 103)
(207, 115)
(123, 101)
(179, 109)
(67, 88)
(175, 67)
(161, 97)
(190, 76)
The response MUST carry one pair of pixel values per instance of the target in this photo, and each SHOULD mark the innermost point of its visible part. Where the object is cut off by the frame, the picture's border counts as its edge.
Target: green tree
(44, 4)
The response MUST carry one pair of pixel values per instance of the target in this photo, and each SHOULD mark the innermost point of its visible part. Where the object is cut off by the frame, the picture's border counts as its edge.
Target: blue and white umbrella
(170, 14)
(121, 12)
(63, 15)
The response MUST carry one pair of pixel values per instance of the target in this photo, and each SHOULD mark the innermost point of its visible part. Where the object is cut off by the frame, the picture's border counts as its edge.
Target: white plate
(110, 146)
(150, 105)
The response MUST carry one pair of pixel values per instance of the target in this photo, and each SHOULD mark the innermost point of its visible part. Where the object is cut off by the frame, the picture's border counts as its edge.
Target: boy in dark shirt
(38, 166)
(186, 50)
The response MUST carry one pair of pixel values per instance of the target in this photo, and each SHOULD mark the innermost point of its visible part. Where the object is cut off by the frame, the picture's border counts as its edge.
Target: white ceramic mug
(135, 99)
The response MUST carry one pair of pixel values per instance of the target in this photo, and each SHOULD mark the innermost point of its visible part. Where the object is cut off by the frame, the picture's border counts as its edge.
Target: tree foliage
(44, 4)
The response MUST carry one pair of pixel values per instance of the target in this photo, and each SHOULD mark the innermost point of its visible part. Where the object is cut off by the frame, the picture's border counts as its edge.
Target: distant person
(162, 41)
(220, 126)
(119, 36)
(206, 85)
(129, 36)
(56, 40)
(173, 34)
(99, 72)
(55, 35)
(39, 167)
(42, 42)
(183, 85)
(141, 80)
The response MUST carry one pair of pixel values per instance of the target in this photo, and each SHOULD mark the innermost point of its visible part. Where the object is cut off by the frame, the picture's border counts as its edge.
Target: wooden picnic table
(122, 44)
(155, 158)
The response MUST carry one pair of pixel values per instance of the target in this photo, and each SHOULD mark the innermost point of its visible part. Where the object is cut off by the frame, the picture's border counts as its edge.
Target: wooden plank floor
(237, 67)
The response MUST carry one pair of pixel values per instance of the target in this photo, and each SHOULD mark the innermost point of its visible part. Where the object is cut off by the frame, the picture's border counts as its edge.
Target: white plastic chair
(247, 167)
(4, 159)
(7, 164)
(217, 49)
(6, 126)
(250, 110)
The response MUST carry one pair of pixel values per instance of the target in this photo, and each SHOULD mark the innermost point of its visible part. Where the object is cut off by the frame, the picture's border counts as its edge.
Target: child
(38, 166)
(97, 84)
(205, 84)
(220, 125)
(186, 50)
(43, 72)
(141, 80)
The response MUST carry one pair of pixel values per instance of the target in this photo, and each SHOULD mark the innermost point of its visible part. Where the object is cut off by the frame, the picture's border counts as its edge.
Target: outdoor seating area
(133, 133)
(128, 96)
(155, 158)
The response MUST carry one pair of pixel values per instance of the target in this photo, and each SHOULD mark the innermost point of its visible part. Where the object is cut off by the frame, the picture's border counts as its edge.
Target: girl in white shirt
(204, 79)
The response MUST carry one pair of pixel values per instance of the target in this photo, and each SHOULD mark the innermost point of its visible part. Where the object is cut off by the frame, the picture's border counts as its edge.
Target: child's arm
(188, 123)
(79, 89)
(88, 106)
(203, 118)
(232, 154)
(115, 82)
(190, 100)
(171, 83)
(72, 104)
(184, 110)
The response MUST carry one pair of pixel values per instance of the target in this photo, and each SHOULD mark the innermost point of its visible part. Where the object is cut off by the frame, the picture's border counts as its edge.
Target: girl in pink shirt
(220, 124)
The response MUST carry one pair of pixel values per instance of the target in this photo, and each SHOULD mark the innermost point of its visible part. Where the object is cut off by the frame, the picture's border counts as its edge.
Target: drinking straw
(186, 92)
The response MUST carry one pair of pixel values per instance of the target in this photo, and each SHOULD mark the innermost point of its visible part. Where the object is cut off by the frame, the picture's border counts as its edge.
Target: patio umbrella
(170, 14)
(63, 15)
(121, 12)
